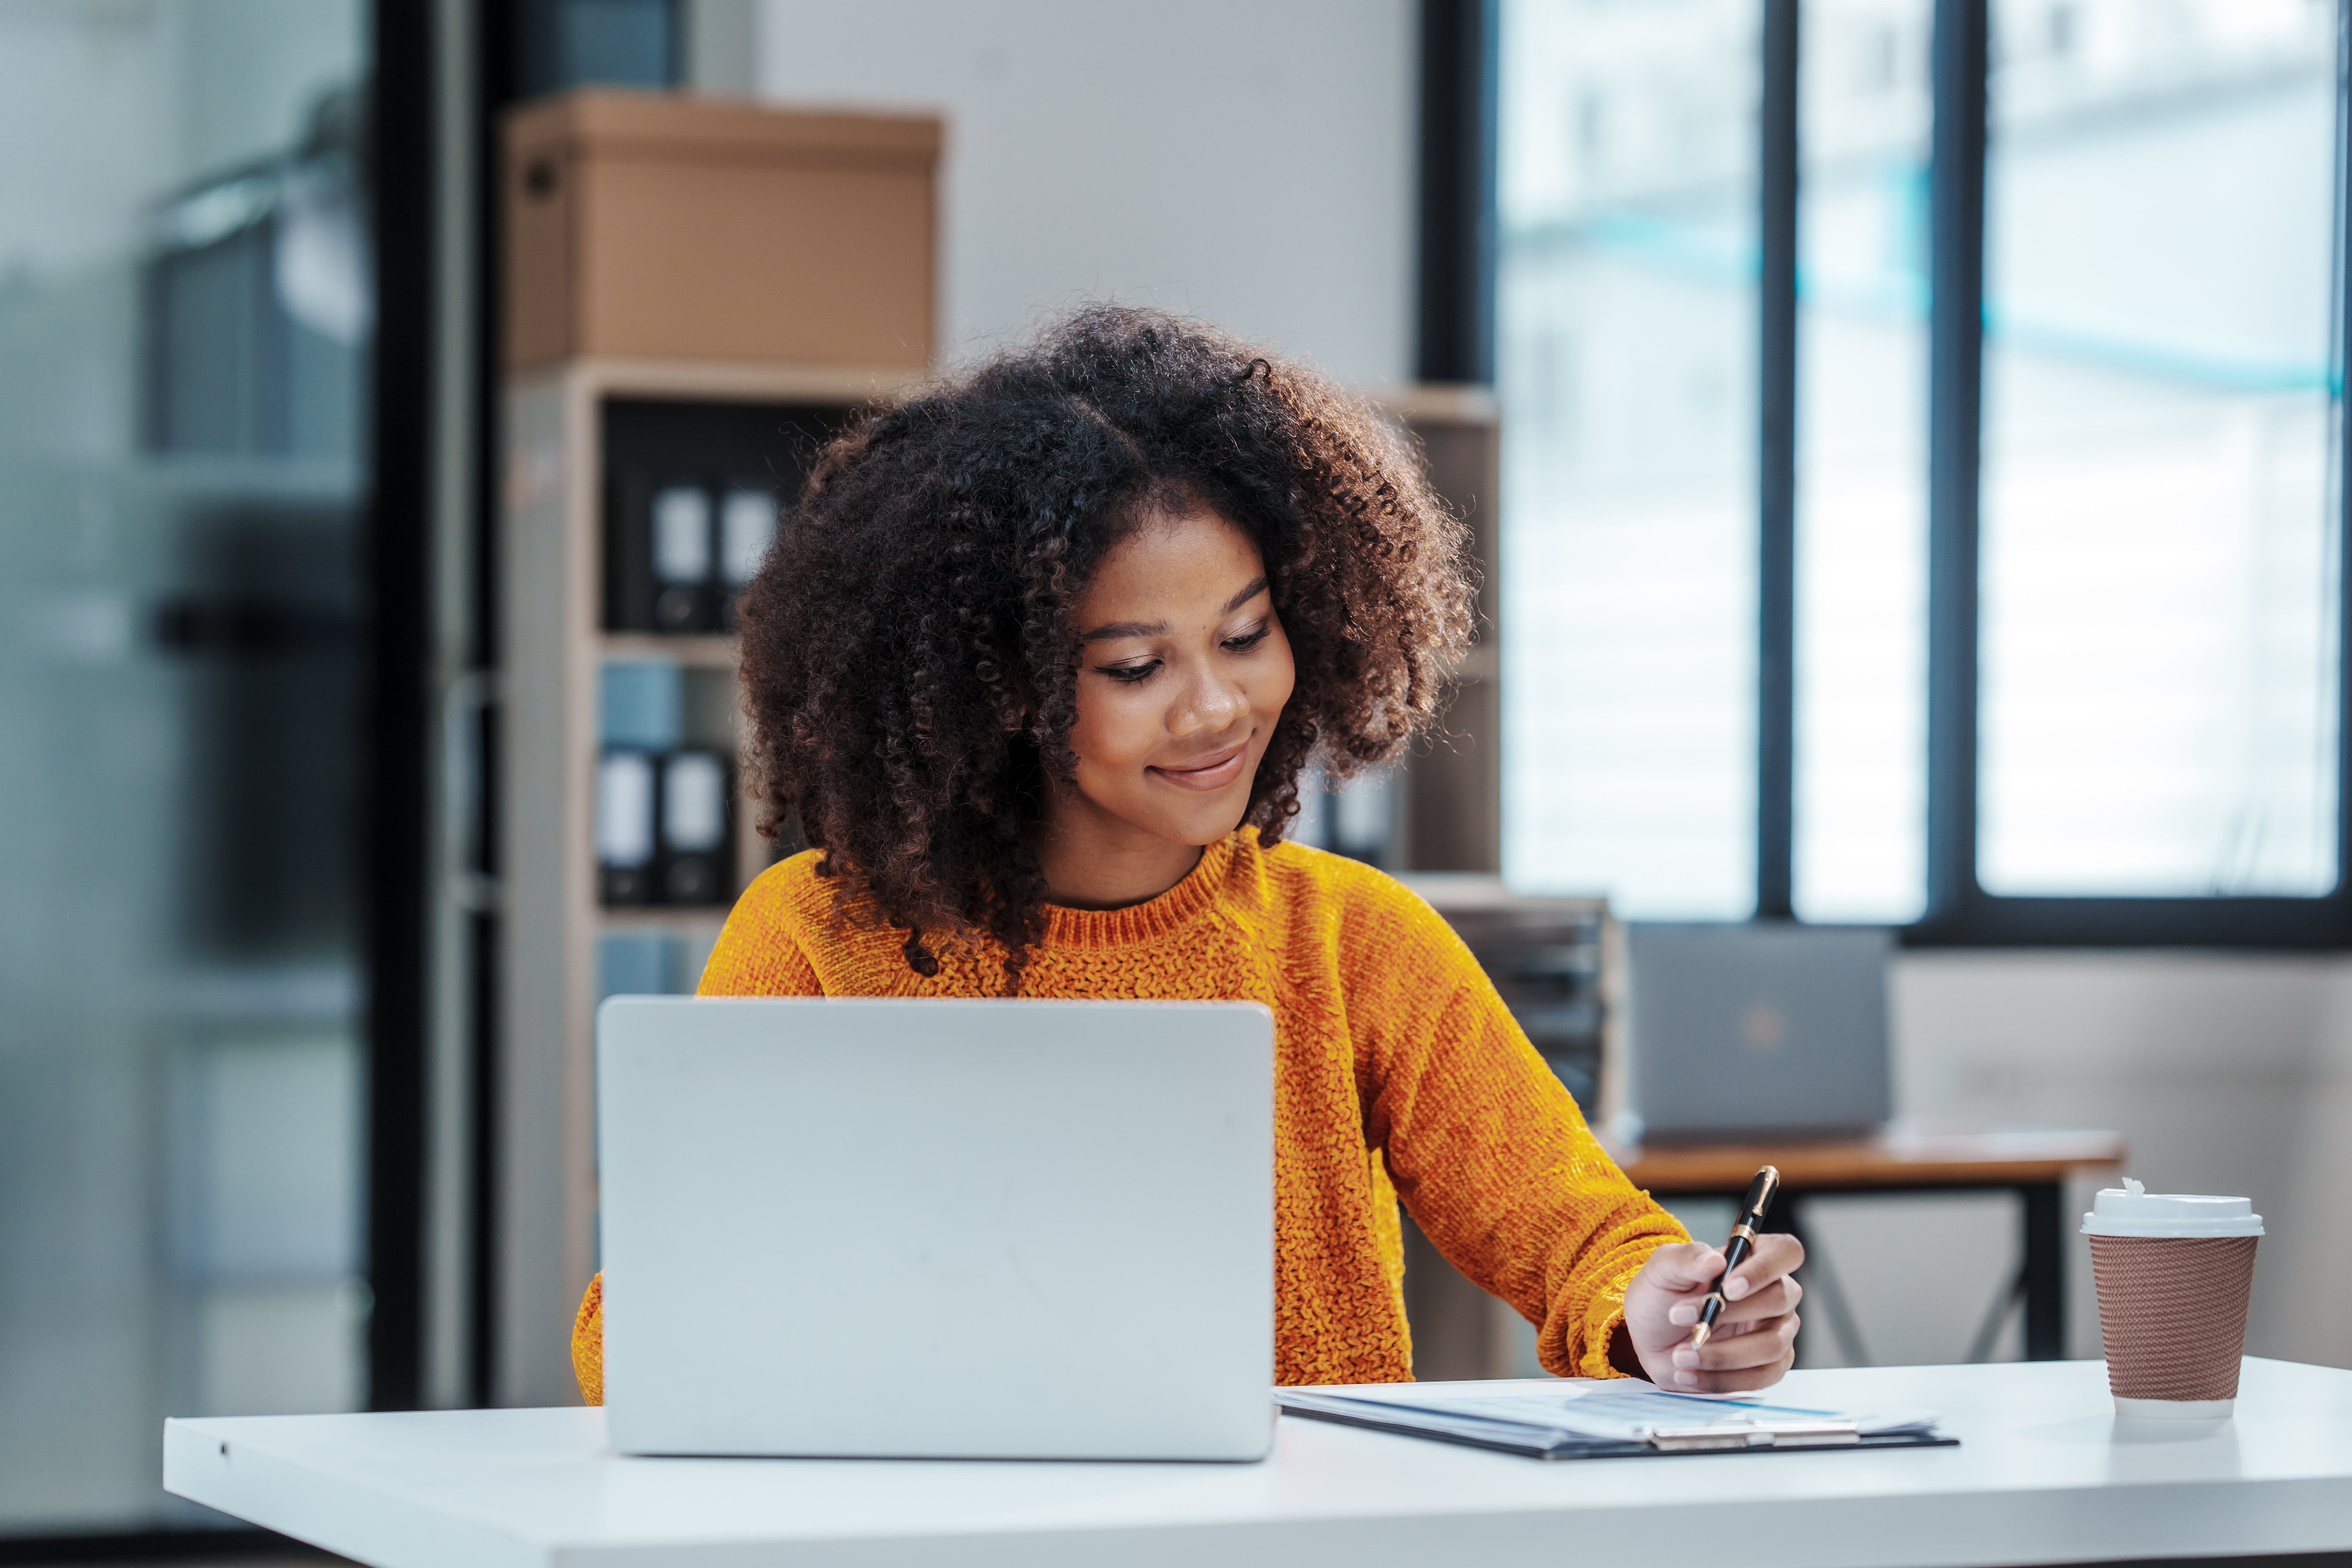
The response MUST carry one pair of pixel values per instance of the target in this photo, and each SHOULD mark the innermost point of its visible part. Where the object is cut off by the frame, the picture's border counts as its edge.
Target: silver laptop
(953, 1229)
(1765, 1028)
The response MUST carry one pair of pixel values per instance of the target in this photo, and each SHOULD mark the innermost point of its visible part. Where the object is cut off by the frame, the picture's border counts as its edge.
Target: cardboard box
(660, 227)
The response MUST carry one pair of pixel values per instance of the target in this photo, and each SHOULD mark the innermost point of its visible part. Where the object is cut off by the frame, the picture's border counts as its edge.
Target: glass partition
(185, 306)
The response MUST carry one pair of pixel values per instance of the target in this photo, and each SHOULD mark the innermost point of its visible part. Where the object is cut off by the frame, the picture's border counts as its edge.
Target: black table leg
(2044, 1277)
(1823, 1289)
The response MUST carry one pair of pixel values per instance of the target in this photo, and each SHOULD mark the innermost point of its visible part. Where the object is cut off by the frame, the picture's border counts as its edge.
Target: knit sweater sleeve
(1488, 1149)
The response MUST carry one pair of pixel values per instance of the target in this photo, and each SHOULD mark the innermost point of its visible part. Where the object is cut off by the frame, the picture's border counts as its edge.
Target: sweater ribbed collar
(1154, 919)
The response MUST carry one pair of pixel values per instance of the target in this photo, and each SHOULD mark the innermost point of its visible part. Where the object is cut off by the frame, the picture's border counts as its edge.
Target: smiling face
(1183, 674)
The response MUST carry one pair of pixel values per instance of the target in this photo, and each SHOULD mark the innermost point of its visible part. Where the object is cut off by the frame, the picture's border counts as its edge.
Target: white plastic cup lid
(2133, 1210)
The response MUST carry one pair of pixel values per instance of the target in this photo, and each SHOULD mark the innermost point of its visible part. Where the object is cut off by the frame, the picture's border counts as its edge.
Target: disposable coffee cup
(2174, 1271)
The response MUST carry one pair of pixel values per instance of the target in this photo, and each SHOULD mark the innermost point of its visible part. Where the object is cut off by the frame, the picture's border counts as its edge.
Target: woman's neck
(1091, 862)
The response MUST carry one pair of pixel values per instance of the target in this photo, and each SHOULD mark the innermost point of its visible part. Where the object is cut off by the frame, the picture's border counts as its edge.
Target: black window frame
(396, 811)
(1460, 92)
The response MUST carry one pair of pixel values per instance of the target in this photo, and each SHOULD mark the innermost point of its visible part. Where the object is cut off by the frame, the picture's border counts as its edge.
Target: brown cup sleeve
(2172, 1313)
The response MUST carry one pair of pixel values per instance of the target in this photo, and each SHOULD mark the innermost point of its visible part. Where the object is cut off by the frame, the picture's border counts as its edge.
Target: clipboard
(1814, 1432)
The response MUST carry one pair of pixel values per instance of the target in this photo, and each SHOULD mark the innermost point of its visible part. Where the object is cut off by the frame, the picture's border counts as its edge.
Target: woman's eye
(1128, 674)
(1249, 640)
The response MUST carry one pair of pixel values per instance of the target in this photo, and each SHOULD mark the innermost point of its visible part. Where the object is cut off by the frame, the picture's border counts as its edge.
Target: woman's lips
(1214, 771)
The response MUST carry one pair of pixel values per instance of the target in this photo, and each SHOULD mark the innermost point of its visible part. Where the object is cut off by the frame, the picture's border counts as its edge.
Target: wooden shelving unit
(680, 922)
(659, 248)
(693, 652)
(1449, 806)
(555, 645)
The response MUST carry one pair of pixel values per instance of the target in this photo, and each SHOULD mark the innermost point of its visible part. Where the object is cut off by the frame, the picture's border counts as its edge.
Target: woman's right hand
(1754, 1341)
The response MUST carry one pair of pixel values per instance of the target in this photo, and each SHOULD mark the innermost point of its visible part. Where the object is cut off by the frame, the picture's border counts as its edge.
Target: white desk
(2045, 1474)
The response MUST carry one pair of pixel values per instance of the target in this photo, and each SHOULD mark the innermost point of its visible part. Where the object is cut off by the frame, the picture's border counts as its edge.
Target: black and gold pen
(1735, 1252)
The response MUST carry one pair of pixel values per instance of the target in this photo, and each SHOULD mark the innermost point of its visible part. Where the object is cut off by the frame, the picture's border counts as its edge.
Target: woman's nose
(1211, 703)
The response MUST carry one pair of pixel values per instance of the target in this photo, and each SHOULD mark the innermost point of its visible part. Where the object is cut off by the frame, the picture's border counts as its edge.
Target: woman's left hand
(1755, 1337)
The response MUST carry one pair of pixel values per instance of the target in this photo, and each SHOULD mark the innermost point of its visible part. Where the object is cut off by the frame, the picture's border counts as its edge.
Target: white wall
(1251, 162)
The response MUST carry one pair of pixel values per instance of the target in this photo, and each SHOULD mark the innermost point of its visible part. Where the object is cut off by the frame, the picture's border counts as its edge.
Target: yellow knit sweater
(1398, 1071)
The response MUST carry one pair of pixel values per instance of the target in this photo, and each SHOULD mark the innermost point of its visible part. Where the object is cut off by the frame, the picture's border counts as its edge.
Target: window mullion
(1776, 486)
(2340, 902)
(1955, 405)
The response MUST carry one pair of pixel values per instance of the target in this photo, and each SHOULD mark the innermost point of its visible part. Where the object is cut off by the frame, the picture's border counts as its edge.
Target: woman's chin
(1206, 822)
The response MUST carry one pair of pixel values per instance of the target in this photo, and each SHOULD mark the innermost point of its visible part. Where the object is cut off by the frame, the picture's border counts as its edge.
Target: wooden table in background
(2033, 1165)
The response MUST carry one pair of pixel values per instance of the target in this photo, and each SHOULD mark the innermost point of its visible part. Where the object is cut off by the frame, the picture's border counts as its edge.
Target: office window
(1627, 368)
(2158, 663)
(1860, 746)
(2111, 451)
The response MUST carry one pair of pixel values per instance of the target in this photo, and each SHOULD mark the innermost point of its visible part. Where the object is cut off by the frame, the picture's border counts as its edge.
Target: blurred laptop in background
(1759, 1029)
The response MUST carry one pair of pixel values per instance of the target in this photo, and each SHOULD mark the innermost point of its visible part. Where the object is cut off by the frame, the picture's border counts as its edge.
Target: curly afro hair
(909, 665)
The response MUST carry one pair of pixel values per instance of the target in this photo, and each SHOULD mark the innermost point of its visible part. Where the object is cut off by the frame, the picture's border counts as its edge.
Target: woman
(1037, 664)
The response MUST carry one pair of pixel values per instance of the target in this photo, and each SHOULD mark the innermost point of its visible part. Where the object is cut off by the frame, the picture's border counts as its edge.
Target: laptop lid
(964, 1230)
(1763, 1028)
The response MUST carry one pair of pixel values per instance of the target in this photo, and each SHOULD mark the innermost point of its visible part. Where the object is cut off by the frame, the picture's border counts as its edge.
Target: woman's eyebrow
(1126, 629)
(1160, 629)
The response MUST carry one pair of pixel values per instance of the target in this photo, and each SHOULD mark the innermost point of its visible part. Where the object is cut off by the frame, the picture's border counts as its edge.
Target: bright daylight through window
(1626, 353)
(2159, 581)
(2159, 508)
(1859, 838)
